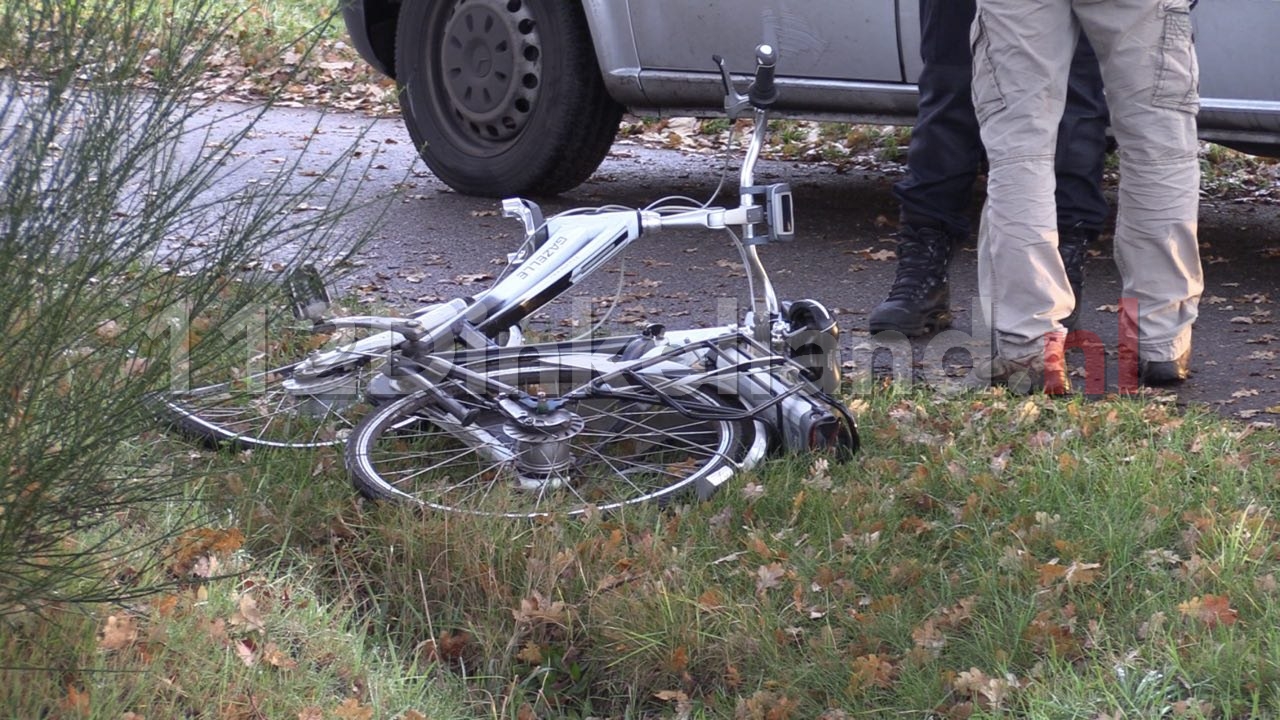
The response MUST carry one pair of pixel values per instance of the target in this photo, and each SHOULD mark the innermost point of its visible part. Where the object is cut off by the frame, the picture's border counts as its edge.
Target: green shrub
(121, 229)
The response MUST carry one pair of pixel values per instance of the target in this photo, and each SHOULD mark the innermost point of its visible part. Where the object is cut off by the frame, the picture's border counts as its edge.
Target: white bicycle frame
(559, 253)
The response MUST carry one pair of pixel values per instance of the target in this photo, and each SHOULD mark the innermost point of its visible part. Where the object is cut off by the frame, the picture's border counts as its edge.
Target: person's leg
(1149, 67)
(946, 149)
(1081, 153)
(942, 164)
(1022, 55)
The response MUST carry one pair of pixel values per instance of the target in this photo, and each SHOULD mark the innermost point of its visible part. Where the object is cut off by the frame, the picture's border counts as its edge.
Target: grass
(232, 637)
(984, 556)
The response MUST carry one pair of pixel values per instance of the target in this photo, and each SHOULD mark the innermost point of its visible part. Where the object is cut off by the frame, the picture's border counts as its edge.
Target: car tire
(503, 97)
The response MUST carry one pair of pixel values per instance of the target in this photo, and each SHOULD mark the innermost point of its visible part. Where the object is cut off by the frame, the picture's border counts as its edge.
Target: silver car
(523, 97)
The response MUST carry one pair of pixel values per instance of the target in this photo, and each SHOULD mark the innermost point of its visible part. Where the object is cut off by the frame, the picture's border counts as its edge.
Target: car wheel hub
(491, 66)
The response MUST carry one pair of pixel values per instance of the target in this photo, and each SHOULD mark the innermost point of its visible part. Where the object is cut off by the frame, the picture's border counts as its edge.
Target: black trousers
(946, 150)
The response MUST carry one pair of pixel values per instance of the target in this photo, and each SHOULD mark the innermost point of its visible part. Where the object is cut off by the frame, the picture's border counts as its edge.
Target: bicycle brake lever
(734, 102)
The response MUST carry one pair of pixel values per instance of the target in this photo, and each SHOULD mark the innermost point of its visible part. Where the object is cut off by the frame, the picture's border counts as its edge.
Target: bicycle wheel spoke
(413, 473)
(598, 451)
(260, 411)
(649, 433)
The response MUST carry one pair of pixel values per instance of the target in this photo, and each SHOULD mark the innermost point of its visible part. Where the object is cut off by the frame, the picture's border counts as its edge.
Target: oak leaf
(75, 703)
(531, 653)
(1212, 610)
(1050, 573)
(870, 671)
(247, 614)
(1079, 573)
(351, 709)
(108, 330)
(679, 660)
(119, 632)
(275, 657)
(769, 576)
(928, 637)
(245, 651)
(537, 609)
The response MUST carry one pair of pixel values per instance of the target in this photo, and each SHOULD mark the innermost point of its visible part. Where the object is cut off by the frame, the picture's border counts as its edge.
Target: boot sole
(931, 324)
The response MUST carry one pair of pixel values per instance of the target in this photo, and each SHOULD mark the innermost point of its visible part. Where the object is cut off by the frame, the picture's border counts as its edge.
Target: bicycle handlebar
(762, 92)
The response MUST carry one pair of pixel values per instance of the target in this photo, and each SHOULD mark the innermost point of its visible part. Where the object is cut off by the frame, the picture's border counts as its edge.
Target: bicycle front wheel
(611, 445)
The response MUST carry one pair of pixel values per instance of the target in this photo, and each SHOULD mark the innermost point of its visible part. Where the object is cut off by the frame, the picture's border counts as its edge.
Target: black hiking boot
(920, 300)
(1159, 373)
(1071, 246)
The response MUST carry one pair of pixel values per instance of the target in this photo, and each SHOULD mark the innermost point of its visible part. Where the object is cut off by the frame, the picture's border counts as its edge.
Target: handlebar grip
(762, 92)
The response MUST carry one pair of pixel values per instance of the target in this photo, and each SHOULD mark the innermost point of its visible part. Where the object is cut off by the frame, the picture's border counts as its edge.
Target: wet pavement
(431, 244)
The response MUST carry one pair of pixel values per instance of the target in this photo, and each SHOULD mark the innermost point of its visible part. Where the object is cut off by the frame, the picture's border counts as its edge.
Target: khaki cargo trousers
(1021, 56)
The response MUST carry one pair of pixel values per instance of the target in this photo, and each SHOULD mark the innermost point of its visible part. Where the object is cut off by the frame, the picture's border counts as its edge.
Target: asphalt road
(432, 243)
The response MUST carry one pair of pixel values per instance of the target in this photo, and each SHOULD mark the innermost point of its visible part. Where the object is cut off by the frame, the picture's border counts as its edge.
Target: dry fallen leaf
(119, 632)
(769, 576)
(108, 330)
(870, 671)
(275, 657)
(245, 651)
(216, 628)
(1079, 573)
(351, 709)
(75, 703)
(1050, 573)
(194, 544)
(531, 653)
(536, 609)
(1212, 610)
(929, 638)
(248, 615)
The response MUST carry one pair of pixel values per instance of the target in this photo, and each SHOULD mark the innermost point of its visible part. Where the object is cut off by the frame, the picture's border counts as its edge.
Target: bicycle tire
(259, 411)
(632, 447)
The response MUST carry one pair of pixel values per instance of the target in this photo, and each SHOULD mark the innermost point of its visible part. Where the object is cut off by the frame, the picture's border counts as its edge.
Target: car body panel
(678, 35)
(857, 60)
(863, 68)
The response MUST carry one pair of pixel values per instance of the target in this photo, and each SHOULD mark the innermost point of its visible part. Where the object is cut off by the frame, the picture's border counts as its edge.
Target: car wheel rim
(491, 67)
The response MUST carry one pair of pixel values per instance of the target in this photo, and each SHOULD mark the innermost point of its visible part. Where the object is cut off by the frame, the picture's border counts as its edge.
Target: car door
(845, 39)
(1236, 44)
